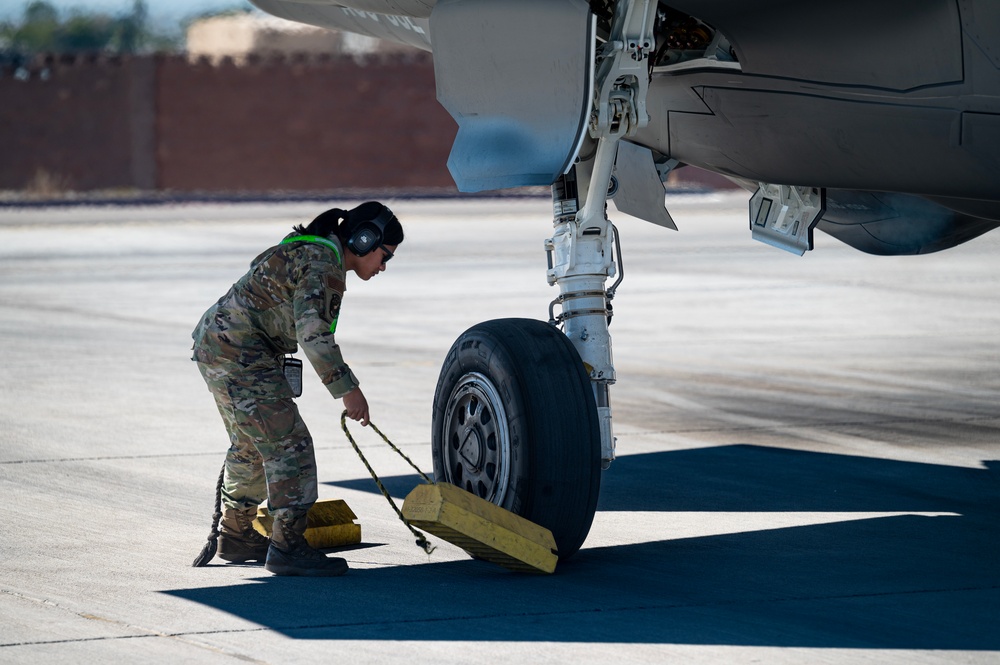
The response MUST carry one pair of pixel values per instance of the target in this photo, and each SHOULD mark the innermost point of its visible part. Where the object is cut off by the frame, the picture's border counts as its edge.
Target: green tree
(131, 33)
(40, 12)
(42, 30)
(37, 30)
(81, 33)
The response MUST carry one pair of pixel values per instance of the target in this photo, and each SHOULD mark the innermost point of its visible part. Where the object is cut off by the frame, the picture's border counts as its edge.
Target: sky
(163, 14)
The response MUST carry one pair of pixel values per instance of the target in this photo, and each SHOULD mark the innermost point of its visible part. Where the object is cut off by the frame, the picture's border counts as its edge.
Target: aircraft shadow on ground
(896, 582)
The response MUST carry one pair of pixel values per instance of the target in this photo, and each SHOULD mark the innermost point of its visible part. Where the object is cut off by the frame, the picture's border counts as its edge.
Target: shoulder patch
(334, 283)
(333, 309)
(335, 287)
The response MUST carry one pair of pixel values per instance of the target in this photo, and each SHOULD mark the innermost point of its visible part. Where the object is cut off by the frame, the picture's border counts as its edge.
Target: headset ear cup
(369, 234)
(364, 239)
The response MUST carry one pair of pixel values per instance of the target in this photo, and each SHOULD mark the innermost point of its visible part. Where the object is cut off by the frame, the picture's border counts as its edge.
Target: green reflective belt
(326, 242)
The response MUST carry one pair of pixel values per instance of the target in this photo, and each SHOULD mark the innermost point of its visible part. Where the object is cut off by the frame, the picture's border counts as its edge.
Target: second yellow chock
(480, 528)
(330, 523)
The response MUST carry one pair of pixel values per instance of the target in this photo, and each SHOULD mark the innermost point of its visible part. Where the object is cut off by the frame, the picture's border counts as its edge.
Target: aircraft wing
(399, 21)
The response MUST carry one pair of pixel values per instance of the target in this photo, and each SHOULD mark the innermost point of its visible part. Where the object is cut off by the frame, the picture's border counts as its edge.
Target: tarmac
(808, 470)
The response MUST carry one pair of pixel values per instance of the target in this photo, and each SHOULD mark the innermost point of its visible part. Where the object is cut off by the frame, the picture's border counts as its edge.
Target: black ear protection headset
(369, 234)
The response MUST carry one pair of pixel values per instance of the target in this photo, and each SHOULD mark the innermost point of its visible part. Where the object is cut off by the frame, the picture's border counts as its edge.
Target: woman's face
(373, 262)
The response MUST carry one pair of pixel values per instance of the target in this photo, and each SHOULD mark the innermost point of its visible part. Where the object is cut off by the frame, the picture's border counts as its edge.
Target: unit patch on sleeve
(333, 312)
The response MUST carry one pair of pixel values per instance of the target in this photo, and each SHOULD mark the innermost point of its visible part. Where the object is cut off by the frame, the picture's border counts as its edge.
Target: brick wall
(282, 124)
(76, 123)
(314, 124)
(164, 123)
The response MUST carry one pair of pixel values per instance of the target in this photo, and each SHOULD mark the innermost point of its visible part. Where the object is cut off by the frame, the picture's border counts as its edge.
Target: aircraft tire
(515, 422)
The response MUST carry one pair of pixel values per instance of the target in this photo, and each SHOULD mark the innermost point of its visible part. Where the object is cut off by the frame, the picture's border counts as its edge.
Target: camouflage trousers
(270, 454)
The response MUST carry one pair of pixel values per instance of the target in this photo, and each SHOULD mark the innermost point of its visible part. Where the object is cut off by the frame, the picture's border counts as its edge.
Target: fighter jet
(875, 121)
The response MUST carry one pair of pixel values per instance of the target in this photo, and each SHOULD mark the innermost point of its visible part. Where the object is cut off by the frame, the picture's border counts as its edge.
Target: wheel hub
(471, 449)
(477, 450)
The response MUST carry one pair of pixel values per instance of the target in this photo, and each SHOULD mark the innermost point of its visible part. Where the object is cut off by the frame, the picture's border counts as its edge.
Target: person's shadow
(899, 582)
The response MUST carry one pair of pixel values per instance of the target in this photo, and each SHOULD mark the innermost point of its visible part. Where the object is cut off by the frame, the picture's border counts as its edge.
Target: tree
(36, 31)
(131, 33)
(42, 30)
(82, 33)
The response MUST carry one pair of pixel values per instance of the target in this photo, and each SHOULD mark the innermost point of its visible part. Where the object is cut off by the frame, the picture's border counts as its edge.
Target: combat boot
(239, 542)
(290, 554)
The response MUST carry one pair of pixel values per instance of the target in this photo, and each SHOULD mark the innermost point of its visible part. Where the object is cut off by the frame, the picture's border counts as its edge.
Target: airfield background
(292, 123)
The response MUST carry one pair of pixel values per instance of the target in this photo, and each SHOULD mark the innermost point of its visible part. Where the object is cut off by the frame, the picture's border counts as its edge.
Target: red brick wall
(301, 125)
(70, 121)
(163, 123)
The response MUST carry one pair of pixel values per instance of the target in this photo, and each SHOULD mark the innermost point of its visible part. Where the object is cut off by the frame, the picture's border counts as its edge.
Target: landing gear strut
(580, 256)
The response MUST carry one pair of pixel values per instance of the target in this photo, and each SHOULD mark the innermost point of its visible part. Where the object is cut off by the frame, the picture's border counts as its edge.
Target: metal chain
(421, 539)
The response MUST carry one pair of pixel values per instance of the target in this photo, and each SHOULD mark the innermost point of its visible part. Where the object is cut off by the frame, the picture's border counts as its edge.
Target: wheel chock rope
(484, 530)
(421, 539)
(212, 546)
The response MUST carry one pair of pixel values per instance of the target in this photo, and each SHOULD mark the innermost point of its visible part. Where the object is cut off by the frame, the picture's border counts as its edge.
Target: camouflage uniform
(290, 297)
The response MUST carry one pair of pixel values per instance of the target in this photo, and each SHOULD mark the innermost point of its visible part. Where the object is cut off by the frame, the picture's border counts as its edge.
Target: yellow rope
(421, 539)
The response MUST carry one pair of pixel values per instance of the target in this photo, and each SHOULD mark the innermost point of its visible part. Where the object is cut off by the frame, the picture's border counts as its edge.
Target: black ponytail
(325, 225)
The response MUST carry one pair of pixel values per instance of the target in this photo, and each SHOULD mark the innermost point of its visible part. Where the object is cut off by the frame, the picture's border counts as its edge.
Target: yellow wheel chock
(480, 528)
(330, 523)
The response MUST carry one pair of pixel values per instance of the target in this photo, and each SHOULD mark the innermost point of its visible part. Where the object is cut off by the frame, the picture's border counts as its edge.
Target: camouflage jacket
(289, 298)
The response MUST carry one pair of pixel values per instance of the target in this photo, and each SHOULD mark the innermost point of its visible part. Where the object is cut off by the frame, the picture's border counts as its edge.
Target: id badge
(292, 368)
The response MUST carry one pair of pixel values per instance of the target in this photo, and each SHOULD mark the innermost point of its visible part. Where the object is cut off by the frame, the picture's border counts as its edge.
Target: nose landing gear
(515, 423)
(522, 415)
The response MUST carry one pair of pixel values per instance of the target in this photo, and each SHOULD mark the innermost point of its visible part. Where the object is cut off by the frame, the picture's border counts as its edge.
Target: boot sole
(241, 556)
(279, 569)
(242, 559)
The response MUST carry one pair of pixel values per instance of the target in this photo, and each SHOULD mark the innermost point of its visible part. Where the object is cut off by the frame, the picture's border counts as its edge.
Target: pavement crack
(144, 632)
(221, 452)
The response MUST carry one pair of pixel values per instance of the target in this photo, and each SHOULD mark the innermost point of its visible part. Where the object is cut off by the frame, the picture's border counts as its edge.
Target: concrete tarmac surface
(808, 448)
